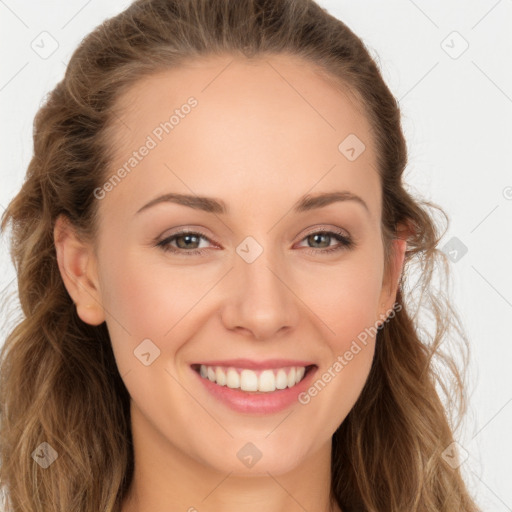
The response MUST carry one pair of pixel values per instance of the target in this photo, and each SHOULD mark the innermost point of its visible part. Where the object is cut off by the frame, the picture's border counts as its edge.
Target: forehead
(258, 125)
(287, 83)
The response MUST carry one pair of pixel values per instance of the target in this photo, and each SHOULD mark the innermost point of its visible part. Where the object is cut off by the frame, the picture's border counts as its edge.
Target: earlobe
(76, 263)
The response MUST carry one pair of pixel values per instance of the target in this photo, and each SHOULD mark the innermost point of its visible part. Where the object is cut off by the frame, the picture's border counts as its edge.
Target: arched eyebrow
(307, 202)
(320, 200)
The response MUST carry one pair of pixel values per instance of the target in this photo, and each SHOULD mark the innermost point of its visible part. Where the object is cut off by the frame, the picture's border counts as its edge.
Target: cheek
(148, 298)
(346, 298)
(349, 310)
(146, 301)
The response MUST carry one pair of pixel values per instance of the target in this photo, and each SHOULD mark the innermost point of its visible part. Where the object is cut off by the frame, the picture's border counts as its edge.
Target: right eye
(185, 243)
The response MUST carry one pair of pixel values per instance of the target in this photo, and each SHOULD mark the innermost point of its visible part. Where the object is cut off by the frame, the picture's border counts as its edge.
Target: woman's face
(273, 286)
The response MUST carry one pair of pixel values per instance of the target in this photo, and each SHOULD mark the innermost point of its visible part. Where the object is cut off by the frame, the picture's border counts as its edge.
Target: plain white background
(448, 63)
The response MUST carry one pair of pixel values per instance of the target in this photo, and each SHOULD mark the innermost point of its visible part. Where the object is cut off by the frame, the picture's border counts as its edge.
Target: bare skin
(263, 134)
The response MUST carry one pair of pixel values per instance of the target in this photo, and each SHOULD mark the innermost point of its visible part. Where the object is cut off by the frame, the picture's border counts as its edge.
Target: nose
(260, 300)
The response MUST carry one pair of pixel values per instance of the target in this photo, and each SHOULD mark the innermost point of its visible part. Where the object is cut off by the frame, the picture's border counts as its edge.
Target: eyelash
(346, 243)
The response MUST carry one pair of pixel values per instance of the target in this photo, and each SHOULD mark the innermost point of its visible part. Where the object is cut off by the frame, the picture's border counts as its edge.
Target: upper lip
(257, 365)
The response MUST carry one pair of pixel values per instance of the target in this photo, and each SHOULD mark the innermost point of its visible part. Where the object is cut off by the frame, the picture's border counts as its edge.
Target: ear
(77, 266)
(391, 279)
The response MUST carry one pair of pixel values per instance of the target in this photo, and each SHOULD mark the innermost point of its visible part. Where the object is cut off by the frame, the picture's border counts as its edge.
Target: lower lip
(258, 403)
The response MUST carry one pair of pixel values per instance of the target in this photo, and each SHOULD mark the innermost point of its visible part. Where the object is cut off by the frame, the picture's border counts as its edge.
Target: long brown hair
(59, 379)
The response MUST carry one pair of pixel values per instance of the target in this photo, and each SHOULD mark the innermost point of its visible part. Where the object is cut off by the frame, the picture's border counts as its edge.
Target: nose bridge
(258, 278)
(258, 270)
(261, 301)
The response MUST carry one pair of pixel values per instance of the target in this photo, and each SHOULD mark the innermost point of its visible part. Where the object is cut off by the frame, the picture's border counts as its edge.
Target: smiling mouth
(255, 381)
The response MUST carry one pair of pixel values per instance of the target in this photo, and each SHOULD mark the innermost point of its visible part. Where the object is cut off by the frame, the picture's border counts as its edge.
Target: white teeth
(267, 381)
(291, 377)
(233, 379)
(281, 380)
(220, 377)
(248, 380)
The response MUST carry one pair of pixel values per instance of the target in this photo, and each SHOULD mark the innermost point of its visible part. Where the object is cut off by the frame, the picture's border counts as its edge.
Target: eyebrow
(212, 205)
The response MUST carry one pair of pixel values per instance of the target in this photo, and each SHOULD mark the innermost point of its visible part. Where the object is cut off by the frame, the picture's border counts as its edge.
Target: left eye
(186, 242)
(344, 242)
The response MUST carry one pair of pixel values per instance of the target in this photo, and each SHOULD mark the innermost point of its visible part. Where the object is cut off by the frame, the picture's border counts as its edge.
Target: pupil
(188, 237)
(319, 236)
